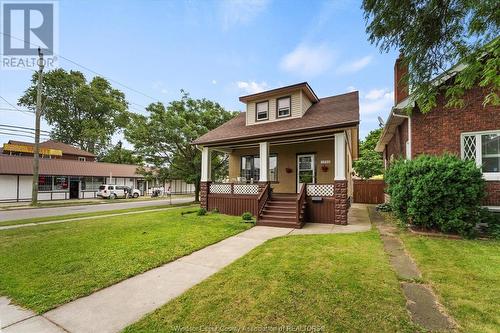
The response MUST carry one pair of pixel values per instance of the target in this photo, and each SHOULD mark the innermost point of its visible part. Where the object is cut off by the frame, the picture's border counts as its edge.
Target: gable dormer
(279, 104)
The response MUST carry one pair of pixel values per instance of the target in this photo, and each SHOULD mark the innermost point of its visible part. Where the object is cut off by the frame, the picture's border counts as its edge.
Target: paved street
(17, 214)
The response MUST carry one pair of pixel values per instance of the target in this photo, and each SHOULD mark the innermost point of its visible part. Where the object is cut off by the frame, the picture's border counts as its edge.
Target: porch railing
(233, 188)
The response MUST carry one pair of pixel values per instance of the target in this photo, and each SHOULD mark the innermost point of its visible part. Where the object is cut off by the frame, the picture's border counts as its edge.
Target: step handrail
(300, 201)
(262, 200)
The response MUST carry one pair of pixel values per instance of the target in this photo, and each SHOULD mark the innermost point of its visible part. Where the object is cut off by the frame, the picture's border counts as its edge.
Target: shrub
(247, 216)
(492, 223)
(384, 207)
(437, 192)
(202, 211)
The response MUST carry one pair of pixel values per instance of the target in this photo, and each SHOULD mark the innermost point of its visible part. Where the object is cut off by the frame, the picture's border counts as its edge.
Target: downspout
(408, 152)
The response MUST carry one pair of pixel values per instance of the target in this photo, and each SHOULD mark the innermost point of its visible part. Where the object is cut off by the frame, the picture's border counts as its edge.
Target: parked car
(117, 191)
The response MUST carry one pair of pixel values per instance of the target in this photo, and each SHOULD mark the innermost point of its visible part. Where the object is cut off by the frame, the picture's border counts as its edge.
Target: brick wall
(397, 146)
(439, 131)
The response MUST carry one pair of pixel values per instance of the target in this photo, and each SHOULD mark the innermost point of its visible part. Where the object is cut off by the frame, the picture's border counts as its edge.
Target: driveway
(18, 214)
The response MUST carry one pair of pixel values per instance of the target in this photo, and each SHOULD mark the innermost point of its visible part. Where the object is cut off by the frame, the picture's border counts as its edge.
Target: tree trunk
(197, 191)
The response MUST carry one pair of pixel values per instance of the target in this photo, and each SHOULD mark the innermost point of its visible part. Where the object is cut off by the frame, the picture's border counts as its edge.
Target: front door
(74, 189)
(306, 170)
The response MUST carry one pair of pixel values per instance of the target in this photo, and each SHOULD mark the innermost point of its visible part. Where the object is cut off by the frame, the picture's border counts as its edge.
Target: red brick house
(471, 132)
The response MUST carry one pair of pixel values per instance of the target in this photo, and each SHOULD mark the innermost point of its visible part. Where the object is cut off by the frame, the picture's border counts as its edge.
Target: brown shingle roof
(52, 144)
(23, 165)
(329, 112)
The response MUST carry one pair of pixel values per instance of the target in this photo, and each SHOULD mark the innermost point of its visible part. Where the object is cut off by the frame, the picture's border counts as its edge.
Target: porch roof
(329, 113)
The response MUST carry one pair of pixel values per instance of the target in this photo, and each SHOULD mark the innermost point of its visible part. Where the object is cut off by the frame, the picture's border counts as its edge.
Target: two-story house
(290, 157)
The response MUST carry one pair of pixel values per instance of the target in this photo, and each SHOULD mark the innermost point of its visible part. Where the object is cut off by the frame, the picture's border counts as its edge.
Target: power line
(21, 127)
(88, 69)
(14, 134)
(17, 110)
(6, 101)
(21, 131)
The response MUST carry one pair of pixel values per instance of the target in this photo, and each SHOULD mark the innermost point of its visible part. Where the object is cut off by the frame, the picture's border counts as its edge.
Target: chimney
(400, 80)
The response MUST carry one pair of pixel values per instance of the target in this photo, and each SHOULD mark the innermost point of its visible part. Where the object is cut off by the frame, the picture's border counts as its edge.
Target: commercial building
(67, 172)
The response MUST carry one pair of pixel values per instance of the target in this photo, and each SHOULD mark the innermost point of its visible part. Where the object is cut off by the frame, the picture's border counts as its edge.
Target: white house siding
(8, 187)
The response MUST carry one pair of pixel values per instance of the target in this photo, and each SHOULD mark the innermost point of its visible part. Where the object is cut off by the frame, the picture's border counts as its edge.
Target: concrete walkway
(114, 308)
(421, 302)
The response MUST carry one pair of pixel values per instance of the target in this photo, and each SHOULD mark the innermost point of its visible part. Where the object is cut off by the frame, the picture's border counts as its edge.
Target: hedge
(443, 193)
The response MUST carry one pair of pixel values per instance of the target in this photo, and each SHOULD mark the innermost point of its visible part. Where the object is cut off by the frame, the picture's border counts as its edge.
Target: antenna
(381, 122)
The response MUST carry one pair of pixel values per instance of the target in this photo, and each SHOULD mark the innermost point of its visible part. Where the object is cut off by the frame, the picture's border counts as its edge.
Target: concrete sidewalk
(114, 308)
(18, 214)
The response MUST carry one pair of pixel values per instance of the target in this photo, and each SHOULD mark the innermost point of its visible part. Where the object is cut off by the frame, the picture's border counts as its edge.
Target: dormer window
(262, 110)
(283, 105)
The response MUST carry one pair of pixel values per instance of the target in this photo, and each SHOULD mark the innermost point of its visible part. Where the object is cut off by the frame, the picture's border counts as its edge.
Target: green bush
(492, 222)
(202, 211)
(247, 216)
(437, 192)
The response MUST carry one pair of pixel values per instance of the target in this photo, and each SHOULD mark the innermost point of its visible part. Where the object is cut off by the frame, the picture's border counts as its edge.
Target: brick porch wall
(341, 202)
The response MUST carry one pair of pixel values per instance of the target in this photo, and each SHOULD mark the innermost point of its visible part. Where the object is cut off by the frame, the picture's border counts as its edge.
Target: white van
(117, 191)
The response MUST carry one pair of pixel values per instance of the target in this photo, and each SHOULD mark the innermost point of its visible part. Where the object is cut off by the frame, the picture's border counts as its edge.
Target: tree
(120, 155)
(370, 162)
(164, 136)
(433, 35)
(85, 114)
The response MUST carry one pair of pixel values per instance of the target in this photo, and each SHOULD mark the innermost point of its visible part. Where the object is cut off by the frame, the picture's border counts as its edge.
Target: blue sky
(219, 50)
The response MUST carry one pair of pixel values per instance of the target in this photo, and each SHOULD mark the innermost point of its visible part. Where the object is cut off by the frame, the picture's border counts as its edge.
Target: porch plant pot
(324, 168)
(288, 170)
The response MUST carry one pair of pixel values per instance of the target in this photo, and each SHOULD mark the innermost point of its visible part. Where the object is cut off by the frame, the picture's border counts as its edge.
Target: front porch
(283, 183)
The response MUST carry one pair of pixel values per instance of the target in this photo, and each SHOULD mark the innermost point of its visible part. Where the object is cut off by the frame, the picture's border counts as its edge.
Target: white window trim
(479, 162)
(82, 159)
(257, 111)
(289, 108)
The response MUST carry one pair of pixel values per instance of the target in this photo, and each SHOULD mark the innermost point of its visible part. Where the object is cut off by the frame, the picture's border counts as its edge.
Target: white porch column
(206, 161)
(340, 156)
(264, 161)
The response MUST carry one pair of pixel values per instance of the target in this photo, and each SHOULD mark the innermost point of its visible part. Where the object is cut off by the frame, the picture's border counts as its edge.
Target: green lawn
(339, 283)
(465, 274)
(44, 266)
(102, 213)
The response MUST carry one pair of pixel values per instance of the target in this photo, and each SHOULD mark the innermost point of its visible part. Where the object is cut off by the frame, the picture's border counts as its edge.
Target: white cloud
(308, 60)
(160, 86)
(351, 88)
(376, 94)
(251, 87)
(214, 81)
(356, 65)
(234, 12)
(376, 102)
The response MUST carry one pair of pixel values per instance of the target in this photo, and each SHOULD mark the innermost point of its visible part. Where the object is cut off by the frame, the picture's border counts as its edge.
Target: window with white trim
(284, 105)
(81, 159)
(484, 149)
(262, 109)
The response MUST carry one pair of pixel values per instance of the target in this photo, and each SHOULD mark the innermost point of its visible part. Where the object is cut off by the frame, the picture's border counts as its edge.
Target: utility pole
(38, 113)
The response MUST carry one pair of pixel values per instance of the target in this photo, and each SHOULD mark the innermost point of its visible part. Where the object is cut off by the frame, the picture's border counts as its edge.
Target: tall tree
(85, 114)
(370, 162)
(433, 35)
(164, 136)
(120, 155)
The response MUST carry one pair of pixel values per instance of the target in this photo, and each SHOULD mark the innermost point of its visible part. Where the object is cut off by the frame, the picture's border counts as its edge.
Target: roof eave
(274, 134)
